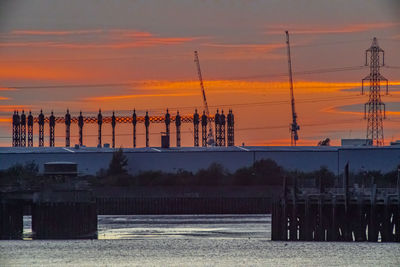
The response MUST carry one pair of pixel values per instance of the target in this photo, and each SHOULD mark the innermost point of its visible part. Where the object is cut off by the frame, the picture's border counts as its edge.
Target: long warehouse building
(90, 160)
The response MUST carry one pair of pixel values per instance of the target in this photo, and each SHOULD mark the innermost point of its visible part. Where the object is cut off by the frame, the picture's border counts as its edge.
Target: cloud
(5, 120)
(50, 33)
(131, 96)
(37, 73)
(11, 108)
(250, 86)
(393, 87)
(7, 89)
(313, 30)
(391, 108)
(163, 88)
(72, 39)
(282, 142)
(247, 46)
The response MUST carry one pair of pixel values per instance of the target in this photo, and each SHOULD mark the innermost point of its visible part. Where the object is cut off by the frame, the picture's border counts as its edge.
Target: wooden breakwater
(185, 200)
(62, 214)
(11, 219)
(182, 205)
(337, 214)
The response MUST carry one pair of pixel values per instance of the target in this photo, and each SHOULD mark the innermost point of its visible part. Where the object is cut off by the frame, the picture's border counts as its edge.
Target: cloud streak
(52, 33)
(163, 88)
(99, 39)
(316, 30)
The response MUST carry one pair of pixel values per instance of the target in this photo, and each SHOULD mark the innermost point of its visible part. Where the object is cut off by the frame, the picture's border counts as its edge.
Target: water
(195, 240)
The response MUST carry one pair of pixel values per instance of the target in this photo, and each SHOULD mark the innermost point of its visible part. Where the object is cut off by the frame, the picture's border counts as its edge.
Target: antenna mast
(210, 137)
(293, 127)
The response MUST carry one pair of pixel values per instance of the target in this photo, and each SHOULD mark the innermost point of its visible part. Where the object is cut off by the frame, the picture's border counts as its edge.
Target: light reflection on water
(184, 226)
(195, 240)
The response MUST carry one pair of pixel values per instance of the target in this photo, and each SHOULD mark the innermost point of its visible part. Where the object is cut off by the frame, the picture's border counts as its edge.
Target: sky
(120, 55)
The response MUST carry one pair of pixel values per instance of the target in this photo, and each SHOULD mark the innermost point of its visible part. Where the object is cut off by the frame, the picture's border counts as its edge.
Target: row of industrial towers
(22, 130)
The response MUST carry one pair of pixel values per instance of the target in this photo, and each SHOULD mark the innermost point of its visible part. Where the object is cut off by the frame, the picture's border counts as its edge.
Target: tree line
(263, 172)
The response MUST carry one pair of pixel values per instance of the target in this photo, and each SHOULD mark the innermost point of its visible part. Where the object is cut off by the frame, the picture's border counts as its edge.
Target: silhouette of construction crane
(293, 127)
(210, 136)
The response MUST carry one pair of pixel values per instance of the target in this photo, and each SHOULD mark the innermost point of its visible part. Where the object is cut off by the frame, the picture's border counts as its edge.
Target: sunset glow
(147, 64)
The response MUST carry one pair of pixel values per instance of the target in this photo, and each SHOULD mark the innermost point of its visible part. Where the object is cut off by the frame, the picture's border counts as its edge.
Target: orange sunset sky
(120, 55)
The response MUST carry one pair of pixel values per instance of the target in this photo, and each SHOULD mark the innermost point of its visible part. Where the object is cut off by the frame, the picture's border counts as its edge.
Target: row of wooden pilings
(337, 215)
(11, 219)
(67, 220)
(55, 215)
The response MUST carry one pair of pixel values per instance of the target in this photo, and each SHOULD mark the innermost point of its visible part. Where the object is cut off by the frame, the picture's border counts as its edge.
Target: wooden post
(284, 218)
(293, 218)
(387, 232)
(307, 222)
(347, 215)
(333, 232)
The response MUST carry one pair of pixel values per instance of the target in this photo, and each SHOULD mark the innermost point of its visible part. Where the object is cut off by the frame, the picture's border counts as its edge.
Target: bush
(263, 172)
(20, 174)
(118, 163)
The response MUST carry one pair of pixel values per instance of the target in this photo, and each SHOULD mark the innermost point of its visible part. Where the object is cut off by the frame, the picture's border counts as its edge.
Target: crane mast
(294, 127)
(210, 137)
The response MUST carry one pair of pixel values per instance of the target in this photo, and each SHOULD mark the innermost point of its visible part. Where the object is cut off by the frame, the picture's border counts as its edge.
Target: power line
(252, 104)
(391, 67)
(299, 73)
(306, 72)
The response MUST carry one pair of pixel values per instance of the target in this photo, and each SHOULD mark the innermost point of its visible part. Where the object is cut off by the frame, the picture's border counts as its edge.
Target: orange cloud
(109, 39)
(235, 86)
(162, 88)
(120, 97)
(47, 33)
(5, 120)
(117, 32)
(331, 30)
(4, 98)
(282, 142)
(11, 108)
(337, 110)
(37, 73)
(248, 46)
(117, 45)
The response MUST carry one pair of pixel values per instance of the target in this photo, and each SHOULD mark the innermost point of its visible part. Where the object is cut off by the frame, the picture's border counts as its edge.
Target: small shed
(65, 169)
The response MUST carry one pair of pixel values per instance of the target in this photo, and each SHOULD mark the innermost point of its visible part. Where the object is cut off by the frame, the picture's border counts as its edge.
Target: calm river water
(191, 240)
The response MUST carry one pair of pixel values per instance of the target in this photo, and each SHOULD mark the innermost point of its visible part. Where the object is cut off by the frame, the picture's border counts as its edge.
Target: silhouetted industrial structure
(375, 106)
(19, 123)
(294, 127)
(210, 137)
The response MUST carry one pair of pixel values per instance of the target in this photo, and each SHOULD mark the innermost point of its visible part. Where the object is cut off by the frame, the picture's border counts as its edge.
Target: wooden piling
(71, 216)
(335, 215)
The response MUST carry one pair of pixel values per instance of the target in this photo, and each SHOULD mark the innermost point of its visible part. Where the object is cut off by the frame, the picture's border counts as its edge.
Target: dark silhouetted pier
(69, 214)
(337, 214)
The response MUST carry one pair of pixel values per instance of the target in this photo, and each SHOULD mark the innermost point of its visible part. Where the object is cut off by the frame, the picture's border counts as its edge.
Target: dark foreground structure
(67, 214)
(185, 200)
(340, 214)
